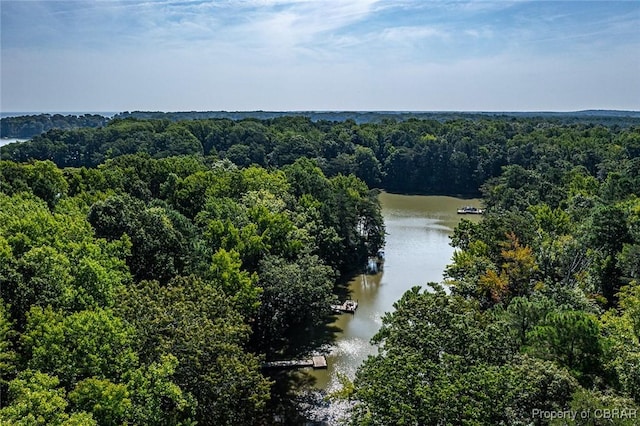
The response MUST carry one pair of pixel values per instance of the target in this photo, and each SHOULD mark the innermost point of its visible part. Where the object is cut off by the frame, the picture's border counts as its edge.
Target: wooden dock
(348, 307)
(317, 362)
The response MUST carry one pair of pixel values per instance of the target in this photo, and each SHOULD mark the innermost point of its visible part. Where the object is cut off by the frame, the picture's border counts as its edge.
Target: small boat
(470, 210)
(380, 259)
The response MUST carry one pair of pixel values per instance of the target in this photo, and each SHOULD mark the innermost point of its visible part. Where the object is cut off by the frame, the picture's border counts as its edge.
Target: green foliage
(145, 284)
(106, 401)
(606, 232)
(622, 341)
(441, 360)
(554, 222)
(46, 279)
(54, 259)
(36, 399)
(367, 166)
(159, 245)
(240, 286)
(435, 323)
(295, 301)
(31, 125)
(523, 328)
(600, 409)
(355, 213)
(305, 177)
(535, 384)
(42, 178)
(523, 314)
(570, 338)
(192, 320)
(156, 400)
(8, 356)
(456, 156)
(84, 344)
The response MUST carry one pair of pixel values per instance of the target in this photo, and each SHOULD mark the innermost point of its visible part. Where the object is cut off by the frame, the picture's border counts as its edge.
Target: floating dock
(317, 362)
(348, 307)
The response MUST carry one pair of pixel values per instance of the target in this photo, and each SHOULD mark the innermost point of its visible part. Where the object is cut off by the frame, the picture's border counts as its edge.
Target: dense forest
(413, 156)
(149, 291)
(542, 321)
(27, 126)
(150, 266)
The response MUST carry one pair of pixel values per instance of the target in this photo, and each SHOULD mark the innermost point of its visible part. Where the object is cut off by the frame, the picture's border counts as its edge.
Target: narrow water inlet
(417, 252)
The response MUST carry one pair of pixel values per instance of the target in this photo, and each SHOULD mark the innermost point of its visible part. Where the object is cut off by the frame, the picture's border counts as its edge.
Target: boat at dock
(470, 210)
(348, 307)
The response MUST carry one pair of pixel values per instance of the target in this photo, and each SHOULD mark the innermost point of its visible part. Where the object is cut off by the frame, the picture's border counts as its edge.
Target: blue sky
(319, 55)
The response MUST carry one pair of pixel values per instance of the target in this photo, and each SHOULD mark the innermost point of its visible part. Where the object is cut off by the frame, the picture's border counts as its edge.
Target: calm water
(417, 251)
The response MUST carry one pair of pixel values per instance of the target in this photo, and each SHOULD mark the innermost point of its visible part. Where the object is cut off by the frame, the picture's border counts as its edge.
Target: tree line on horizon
(28, 126)
(413, 156)
(25, 126)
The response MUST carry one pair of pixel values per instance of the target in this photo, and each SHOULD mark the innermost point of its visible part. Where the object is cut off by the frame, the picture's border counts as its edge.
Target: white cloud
(302, 23)
(412, 33)
(480, 33)
(276, 54)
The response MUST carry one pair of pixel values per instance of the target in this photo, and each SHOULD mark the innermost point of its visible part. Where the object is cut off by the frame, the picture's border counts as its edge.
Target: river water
(417, 251)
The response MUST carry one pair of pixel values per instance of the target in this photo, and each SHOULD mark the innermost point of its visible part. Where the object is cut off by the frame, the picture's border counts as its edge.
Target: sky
(296, 55)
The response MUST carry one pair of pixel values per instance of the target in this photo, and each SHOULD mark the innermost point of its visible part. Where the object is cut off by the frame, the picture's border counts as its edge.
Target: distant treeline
(609, 117)
(27, 126)
(412, 156)
(31, 125)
